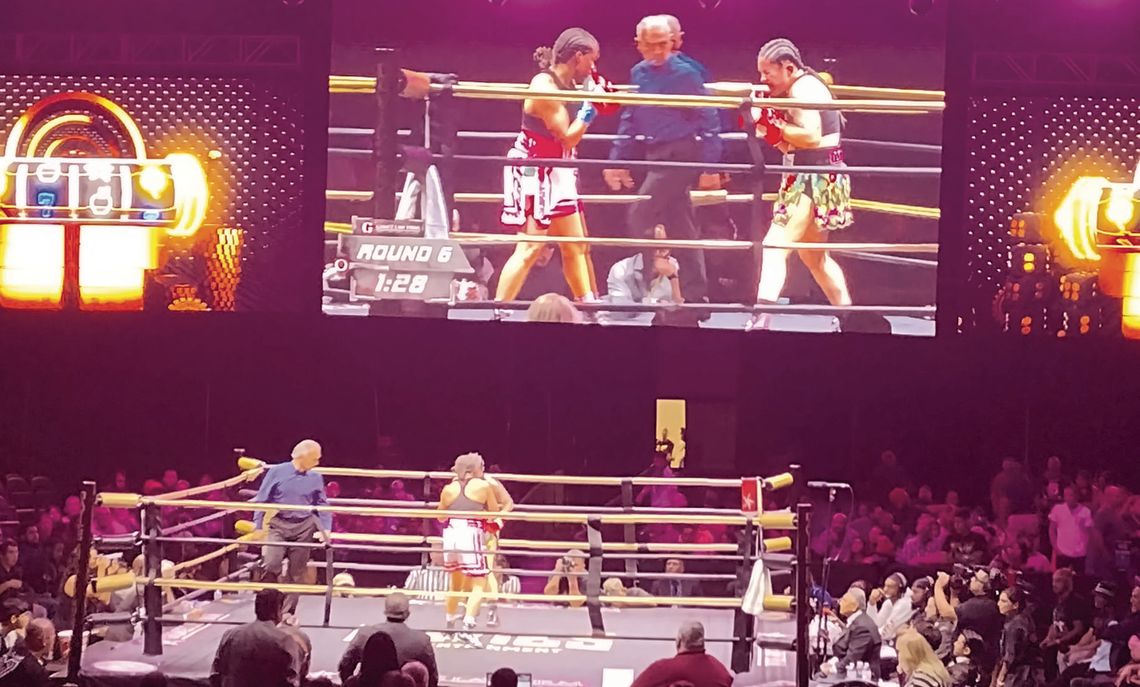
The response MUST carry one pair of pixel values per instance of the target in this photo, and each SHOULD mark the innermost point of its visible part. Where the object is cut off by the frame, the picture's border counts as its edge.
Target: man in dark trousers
(860, 642)
(691, 665)
(411, 644)
(671, 134)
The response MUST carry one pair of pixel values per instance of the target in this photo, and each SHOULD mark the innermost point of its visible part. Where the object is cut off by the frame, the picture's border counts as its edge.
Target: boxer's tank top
(831, 122)
(464, 502)
(535, 124)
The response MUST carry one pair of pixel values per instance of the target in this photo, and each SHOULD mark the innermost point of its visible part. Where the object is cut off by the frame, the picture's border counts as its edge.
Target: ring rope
(699, 198)
(367, 84)
(784, 308)
(539, 508)
(245, 476)
(769, 519)
(705, 244)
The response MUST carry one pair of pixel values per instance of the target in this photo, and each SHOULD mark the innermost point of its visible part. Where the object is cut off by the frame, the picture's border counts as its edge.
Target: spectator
(860, 641)
(11, 574)
(1070, 524)
(379, 658)
(925, 619)
(567, 571)
(904, 514)
(1071, 619)
(1129, 674)
(1010, 492)
(918, 662)
(650, 276)
(504, 677)
(1091, 656)
(431, 578)
(15, 614)
(890, 607)
(979, 612)
(551, 307)
(887, 476)
(411, 644)
(964, 546)
(967, 667)
(926, 545)
(170, 479)
(614, 587)
(691, 664)
(675, 585)
(417, 671)
(835, 541)
(25, 668)
(258, 654)
(1109, 532)
(1018, 636)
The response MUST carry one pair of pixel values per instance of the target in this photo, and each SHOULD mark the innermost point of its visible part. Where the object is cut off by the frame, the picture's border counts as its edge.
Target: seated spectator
(551, 307)
(890, 606)
(614, 587)
(432, 578)
(650, 276)
(967, 669)
(170, 479)
(11, 574)
(1071, 619)
(25, 668)
(377, 660)
(691, 664)
(417, 671)
(1129, 675)
(835, 541)
(504, 677)
(925, 547)
(964, 546)
(919, 664)
(860, 641)
(258, 653)
(880, 546)
(411, 644)
(859, 553)
(676, 586)
(565, 580)
(1091, 655)
(15, 614)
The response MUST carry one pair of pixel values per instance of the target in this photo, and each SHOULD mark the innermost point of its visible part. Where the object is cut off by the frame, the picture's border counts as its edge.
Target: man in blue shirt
(671, 134)
(293, 484)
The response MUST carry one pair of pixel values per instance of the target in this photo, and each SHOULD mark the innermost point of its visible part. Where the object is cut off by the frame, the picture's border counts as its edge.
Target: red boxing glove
(600, 84)
(766, 118)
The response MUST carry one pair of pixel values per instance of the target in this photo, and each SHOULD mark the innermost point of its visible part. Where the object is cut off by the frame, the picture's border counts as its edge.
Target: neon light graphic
(82, 222)
(1097, 221)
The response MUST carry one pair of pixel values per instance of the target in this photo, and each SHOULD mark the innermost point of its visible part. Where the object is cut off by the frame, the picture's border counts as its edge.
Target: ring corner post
(594, 575)
(744, 625)
(802, 605)
(82, 580)
(384, 139)
(152, 593)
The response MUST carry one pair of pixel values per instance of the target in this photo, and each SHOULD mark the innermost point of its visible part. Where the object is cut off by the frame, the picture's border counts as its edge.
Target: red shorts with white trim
(463, 548)
(541, 193)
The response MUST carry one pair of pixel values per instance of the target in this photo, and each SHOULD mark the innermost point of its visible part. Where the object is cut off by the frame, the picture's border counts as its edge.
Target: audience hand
(617, 179)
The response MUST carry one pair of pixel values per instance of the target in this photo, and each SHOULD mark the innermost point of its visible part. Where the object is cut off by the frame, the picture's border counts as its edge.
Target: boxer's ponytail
(544, 57)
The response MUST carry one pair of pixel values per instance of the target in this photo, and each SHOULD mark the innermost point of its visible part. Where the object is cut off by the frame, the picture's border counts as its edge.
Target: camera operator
(978, 612)
(564, 581)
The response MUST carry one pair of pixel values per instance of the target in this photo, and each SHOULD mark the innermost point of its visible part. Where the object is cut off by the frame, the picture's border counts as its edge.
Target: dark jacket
(696, 667)
(21, 669)
(859, 642)
(689, 587)
(257, 654)
(411, 645)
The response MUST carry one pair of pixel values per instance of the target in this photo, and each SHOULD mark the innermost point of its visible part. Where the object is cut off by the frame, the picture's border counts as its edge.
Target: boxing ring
(180, 620)
(392, 159)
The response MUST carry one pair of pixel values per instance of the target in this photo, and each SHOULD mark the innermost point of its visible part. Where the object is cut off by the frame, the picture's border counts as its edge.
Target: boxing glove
(597, 82)
(765, 124)
(587, 113)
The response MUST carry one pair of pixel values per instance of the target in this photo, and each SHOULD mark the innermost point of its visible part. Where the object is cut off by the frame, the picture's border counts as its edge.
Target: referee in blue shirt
(671, 134)
(294, 484)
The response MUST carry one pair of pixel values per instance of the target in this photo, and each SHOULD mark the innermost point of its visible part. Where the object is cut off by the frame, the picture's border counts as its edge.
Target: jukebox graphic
(88, 218)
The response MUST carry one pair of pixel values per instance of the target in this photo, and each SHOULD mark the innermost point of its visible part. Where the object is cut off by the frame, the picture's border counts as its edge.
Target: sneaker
(453, 622)
(492, 617)
(467, 636)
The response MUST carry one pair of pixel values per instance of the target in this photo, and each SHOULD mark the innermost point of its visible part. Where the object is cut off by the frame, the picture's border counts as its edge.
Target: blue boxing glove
(587, 113)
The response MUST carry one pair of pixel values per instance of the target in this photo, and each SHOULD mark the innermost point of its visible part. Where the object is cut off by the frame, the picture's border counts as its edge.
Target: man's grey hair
(691, 637)
(673, 22)
(655, 21)
(305, 447)
(859, 596)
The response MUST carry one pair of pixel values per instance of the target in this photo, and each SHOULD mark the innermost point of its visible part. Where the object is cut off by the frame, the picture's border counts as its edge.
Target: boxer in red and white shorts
(464, 555)
(544, 200)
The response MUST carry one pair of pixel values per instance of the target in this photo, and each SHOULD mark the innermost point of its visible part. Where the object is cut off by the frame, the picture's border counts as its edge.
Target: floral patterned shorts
(830, 196)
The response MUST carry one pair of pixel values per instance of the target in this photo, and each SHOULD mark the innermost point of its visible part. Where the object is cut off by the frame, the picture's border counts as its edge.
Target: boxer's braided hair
(783, 50)
(571, 42)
